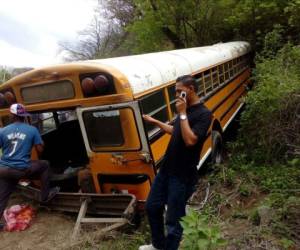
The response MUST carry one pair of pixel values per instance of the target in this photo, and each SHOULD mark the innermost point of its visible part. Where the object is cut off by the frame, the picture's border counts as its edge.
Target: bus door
(118, 150)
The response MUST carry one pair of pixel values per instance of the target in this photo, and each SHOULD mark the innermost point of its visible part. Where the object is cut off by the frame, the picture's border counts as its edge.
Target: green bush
(270, 124)
(198, 234)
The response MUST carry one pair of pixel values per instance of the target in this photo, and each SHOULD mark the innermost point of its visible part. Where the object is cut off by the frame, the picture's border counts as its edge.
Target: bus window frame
(165, 106)
(30, 86)
(138, 123)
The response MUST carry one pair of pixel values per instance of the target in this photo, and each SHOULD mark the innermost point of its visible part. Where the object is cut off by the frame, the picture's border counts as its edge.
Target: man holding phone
(175, 182)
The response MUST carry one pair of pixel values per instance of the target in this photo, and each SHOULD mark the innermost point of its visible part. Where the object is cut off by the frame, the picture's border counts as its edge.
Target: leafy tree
(5, 75)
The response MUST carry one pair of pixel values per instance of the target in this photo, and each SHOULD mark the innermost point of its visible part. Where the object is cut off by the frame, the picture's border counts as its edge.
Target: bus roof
(147, 71)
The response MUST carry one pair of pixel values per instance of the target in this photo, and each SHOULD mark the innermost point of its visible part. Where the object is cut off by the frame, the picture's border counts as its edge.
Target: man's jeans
(9, 178)
(167, 190)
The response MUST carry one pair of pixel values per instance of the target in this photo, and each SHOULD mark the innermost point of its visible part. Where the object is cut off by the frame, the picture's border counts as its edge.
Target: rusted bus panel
(236, 105)
(106, 164)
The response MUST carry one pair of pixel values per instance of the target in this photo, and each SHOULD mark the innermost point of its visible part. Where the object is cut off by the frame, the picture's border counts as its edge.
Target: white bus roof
(150, 70)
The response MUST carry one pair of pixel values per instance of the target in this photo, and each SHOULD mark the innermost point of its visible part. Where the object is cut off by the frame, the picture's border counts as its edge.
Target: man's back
(16, 141)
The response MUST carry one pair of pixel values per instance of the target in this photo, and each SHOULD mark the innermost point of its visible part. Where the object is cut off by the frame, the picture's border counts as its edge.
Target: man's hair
(17, 118)
(188, 80)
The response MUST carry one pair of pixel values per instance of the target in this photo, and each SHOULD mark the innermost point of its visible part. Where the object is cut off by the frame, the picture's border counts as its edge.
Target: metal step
(112, 205)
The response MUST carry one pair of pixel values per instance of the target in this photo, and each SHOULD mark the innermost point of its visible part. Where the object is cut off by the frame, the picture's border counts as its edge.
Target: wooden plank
(104, 220)
(81, 215)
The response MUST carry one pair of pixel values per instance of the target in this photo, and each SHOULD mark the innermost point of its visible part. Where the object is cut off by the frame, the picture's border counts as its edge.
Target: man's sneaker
(53, 191)
(147, 247)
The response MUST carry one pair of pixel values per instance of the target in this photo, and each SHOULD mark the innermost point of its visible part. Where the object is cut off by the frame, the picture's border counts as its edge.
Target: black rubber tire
(217, 148)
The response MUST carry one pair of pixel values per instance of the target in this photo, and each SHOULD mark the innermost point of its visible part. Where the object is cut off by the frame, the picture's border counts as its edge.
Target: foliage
(5, 75)
(138, 26)
(270, 123)
(198, 234)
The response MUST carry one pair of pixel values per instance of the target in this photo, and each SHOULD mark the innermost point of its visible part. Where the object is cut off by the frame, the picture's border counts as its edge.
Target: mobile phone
(183, 95)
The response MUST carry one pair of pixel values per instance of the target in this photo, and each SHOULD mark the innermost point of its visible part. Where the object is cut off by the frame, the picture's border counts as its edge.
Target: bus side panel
(110, 176)
(206, 146)
(159, 147)
(223, 102)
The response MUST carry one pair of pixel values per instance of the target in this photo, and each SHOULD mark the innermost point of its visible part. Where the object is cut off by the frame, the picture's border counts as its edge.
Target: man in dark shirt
(176, 180)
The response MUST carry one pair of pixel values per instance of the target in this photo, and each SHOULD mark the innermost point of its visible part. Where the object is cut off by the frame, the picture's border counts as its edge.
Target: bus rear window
(111, 129)
(104, 128)
(48, 92)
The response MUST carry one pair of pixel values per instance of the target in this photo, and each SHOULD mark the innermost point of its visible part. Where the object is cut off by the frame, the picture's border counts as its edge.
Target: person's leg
(7, 186)
(39, 169)
(155, 206)
(9, 178)
(178, 194)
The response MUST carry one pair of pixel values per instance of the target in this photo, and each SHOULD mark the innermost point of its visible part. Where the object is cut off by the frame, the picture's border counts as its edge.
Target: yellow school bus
(89, 113)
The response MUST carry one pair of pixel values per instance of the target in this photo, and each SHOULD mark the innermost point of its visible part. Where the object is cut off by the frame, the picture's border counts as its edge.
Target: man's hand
(166, 127)
(149, 119)
(181, 105)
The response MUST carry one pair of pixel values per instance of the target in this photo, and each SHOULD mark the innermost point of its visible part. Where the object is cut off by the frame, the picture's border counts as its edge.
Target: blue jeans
(171, 191)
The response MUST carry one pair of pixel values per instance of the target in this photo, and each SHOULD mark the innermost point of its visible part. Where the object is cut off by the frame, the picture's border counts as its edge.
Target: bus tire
(217, 148)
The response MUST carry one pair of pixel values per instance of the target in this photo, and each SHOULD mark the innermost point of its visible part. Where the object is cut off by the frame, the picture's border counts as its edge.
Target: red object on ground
(18, 217)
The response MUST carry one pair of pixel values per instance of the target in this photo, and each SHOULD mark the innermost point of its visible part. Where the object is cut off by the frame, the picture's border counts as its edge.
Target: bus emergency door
(118, 150)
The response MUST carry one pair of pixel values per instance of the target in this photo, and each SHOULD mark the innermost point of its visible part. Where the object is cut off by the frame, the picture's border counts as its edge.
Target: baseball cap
(18, 110)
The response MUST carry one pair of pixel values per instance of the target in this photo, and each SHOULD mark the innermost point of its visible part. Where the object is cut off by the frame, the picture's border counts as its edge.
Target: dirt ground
(49, 230)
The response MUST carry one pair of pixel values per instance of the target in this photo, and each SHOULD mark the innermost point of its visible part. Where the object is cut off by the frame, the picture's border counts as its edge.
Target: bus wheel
(217, 147)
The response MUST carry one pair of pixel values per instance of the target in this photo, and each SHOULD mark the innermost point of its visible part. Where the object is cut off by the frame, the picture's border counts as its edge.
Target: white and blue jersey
(16, 141)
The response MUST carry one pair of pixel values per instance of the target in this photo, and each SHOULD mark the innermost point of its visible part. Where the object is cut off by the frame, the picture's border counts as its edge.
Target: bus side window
(221, 74)
(207, 81)
(155, 106)
(234, 64)
(172, 98)
(199, 80)
(230, 70)
(215, 79)
(226, 69)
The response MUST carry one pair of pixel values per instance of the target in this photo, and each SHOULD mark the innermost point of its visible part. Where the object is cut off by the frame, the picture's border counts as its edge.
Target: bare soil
(49, 230)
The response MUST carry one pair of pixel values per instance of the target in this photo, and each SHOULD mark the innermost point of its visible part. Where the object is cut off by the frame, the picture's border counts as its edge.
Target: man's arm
(188, 135)
(37, 141)
(192, 135)
(39, 148)
(164, 126)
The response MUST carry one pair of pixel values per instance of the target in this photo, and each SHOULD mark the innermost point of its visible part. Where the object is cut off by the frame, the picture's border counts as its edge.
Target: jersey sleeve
(202, 125)
(37, 139)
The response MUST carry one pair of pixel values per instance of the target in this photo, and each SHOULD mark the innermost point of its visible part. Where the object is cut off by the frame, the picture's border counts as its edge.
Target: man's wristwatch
(182, 117)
